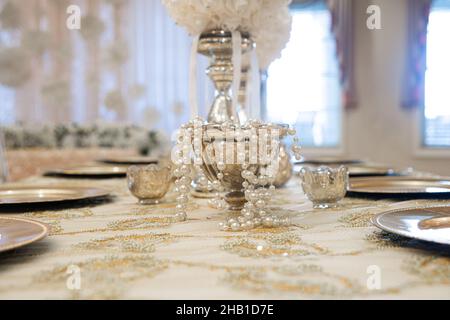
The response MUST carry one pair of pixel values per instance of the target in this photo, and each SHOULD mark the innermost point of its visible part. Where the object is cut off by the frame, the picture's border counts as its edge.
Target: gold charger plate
(18, 232)
(43, 194)
(399, 186)
(369, 170)
(328, 161)
(424, 223)
(202, 194)
(358, 170)
(129, 160)
(91, 171)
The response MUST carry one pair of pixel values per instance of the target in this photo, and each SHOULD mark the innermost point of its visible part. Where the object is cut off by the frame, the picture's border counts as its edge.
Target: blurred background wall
(379, 128)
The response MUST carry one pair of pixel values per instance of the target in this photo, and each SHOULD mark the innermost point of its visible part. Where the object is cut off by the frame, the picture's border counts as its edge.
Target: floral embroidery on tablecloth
(429, 268)
(272, 245)
(102, 278)
(294, 281)
(142, 223)
(135, 243)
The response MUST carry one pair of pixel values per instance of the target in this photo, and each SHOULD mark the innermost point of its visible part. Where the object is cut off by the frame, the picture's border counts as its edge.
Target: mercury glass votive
(149, 183)
(324, 186)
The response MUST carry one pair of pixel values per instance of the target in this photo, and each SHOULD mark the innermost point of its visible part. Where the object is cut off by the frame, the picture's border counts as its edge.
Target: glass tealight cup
(324, 186)
(149, 183)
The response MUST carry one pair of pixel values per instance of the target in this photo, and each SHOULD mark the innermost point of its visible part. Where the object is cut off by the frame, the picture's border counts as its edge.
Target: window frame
(421, 150)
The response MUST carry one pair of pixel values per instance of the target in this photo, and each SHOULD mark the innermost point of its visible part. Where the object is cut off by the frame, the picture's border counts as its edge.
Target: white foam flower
(268, 21)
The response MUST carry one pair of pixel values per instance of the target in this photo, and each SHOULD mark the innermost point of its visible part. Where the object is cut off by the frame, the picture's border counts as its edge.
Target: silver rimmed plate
(18, 232)
(43, 194)
(91, 171)
(358, 170)
(400, 186)
(426, 223)
(369, 170)
(328, 161)
(129, 160)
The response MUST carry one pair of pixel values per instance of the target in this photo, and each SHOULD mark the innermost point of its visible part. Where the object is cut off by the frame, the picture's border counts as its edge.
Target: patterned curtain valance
(414, 79)
(343, 29)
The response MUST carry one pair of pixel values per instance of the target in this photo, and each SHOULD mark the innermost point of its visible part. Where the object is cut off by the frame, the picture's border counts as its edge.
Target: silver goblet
(232, 179)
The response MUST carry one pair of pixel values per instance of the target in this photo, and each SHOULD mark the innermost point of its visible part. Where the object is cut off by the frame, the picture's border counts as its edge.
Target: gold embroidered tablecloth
(122, 250)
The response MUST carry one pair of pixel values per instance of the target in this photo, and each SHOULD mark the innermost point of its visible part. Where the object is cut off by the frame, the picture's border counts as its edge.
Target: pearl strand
(255, 212)
(182, 173)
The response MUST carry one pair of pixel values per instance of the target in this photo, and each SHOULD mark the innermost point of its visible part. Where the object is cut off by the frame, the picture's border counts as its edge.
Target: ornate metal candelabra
(217, 45)
(240, 159)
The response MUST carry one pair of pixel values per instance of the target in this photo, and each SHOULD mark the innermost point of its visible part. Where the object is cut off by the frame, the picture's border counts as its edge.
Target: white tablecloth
(122, 250)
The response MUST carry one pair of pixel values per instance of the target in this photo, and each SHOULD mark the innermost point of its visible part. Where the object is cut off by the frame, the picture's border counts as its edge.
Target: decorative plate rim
(398, 192)
(42, 235)
(78, 171)
(94, 193)
(120, 161)
(374, 221)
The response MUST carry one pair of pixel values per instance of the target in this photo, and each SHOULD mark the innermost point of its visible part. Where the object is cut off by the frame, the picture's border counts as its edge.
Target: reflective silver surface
(328, 161)
(285, 169)
(91, 171)
(130, 160)
(232, 172)
(360, 170)
(423, 223)
(324, 186)
(217, 44)
(365, 170)
(399, 186)
(39, 194)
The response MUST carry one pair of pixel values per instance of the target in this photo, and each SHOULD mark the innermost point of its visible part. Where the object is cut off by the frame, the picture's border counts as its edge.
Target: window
(436, 120)
(303, 87)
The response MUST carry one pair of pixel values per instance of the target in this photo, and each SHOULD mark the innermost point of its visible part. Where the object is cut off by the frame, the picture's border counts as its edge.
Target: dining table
(116, 248)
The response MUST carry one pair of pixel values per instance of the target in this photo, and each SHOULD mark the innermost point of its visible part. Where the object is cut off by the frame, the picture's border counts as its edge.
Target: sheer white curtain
(129, 63)
(161, 53)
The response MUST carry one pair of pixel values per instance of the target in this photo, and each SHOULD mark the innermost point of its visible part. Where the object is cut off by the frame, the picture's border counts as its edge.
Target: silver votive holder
(149, 183)
(324, 186)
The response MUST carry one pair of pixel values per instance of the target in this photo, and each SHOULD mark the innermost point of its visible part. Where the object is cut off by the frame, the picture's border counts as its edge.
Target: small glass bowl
(324, 186)
(149, 183)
